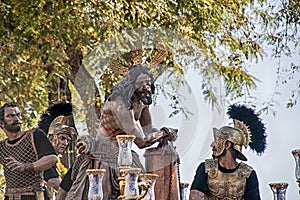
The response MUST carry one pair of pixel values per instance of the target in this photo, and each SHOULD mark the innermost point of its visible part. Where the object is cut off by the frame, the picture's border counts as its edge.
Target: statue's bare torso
(117, 119)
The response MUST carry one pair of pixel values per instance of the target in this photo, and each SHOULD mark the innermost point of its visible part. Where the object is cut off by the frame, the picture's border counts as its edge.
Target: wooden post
(163, 163)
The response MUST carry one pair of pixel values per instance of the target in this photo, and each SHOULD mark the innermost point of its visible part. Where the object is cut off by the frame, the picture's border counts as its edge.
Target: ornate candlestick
(279, 190)
(147, 184)
(122, 186)
(131, 187)
(95, 180)
(183, 190)
(125, 155)
(296, 154)
(123, 171)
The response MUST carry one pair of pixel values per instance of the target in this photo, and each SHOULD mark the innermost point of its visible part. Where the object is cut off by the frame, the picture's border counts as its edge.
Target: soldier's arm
(44, 163)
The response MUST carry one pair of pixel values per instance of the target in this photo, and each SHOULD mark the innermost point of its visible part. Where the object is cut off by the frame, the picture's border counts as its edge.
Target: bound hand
(171, 133)
(84, 144)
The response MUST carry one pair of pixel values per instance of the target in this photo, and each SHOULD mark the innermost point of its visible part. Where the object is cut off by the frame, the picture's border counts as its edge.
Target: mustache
(145, 91)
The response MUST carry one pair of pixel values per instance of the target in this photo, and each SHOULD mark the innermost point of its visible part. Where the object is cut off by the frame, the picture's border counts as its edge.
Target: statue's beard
(15, 127)
(144, 96)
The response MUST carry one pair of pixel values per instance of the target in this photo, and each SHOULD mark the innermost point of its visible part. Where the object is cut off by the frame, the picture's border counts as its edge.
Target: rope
(171, 178)
(178, 176)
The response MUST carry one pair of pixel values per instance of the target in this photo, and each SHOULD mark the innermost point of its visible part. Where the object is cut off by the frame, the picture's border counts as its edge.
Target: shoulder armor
(211, 167)
(244, 170)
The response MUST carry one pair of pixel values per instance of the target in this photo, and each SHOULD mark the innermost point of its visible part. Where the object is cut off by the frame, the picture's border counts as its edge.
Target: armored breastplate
(226, 186)
(23, 151)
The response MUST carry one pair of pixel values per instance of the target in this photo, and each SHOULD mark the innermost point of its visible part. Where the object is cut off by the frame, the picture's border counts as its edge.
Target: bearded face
(145, 96)
(218, 145)
(143, 89)
(219, 148)
(12, 119)
(13, 127)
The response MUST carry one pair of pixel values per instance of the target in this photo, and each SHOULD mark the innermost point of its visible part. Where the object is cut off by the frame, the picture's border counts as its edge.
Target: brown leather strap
(29, 167)
(17, 196)
(17, 193)
(19, 190)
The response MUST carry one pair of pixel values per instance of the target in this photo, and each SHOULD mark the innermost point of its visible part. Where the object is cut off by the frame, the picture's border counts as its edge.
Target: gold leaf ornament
(245, 131)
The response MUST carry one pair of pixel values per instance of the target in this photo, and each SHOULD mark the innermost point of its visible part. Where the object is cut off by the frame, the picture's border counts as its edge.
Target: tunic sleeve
(50, 173)
(42, 144)
(252, 187)
(200, 180)
(67, 182)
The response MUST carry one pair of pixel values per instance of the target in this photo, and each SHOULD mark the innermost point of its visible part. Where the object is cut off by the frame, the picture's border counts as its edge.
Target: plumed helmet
(248, 130)
(58, 118)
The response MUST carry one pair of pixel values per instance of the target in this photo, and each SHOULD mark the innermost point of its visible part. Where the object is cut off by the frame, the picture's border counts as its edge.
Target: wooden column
(163, 163)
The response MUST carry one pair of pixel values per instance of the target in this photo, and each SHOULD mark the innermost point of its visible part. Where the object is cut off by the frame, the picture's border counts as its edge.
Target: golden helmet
(238, 135)
(248, 130)
(61, 124)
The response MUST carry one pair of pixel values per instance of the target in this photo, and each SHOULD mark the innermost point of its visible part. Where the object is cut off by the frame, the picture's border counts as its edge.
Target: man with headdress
(57, 122)
(24, 155)
(223, 177)
(126, 111)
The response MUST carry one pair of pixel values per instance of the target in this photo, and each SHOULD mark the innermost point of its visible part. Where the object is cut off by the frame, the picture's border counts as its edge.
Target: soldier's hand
(15, 165)
(84, 144)
(171, 133)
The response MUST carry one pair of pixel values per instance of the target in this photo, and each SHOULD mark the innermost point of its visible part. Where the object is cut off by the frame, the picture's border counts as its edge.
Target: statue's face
(12, 119)
(218, 145)
(60, 141)
(143, 89)
(142, 81)
(63, 141)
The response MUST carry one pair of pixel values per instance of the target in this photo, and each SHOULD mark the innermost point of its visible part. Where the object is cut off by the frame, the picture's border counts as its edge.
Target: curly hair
(126, 87)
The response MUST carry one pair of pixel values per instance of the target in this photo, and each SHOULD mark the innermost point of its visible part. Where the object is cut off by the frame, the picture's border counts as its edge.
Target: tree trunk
(86, 87)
